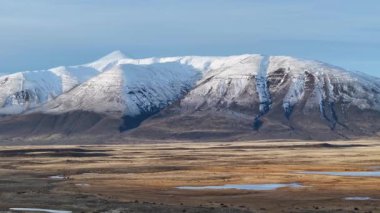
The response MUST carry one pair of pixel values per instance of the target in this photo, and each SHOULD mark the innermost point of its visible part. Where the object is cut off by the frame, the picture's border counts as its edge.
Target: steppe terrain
(144, 177)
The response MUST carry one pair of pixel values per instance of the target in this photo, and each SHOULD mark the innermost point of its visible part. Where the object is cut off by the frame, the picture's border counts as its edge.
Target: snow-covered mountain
(245, 93)
(20, 92)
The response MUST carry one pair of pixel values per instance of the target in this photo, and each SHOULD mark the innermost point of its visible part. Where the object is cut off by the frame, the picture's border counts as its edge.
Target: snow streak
(262, 91)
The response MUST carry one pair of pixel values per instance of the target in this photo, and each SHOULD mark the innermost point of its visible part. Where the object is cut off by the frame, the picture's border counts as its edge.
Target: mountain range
(243, 97)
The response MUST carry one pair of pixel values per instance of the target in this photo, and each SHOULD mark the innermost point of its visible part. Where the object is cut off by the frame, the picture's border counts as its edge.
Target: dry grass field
(144, 177)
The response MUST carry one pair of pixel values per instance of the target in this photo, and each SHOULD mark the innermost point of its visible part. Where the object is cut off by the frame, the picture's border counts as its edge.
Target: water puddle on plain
(254, 187)
(57, 177)
(358, 198)
(83, 184)
(348, 174)
(38, 210)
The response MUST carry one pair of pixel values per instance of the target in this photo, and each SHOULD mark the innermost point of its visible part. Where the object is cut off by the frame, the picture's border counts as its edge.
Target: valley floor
(144, 177)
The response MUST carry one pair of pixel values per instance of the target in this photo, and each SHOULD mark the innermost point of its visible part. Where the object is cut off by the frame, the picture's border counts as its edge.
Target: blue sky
(38, 34)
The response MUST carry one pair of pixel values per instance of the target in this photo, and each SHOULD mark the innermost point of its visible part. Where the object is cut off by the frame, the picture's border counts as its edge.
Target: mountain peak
(113, 56)
(102, 63)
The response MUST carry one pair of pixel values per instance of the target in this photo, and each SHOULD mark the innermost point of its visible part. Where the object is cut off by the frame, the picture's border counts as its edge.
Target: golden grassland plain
(144, 177)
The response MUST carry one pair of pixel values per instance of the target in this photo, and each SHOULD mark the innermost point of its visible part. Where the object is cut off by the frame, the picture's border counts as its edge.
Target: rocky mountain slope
(199, 98)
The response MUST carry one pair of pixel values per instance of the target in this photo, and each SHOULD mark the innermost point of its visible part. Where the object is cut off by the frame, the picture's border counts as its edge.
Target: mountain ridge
(243, 96)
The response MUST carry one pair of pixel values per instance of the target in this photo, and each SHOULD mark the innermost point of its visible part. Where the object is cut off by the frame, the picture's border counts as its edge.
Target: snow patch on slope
(73, 76)
(154, 86)
(127, 89)
(225, 85)
(21, 91)
(332, 84)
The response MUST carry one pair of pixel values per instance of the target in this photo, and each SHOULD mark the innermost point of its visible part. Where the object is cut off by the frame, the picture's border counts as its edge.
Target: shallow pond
(39, 210)
(256, 187)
